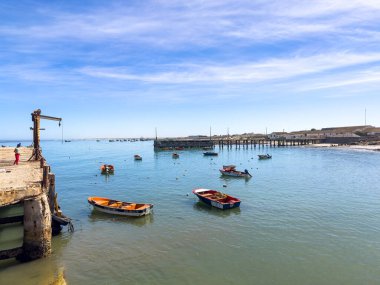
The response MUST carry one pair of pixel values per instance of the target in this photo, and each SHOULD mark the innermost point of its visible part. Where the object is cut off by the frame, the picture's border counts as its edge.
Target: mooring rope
(70, 227)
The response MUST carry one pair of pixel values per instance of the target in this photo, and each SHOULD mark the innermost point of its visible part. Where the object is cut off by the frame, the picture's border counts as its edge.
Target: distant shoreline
(353, 147)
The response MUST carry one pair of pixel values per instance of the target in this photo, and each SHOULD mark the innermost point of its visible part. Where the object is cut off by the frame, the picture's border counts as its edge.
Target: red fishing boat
(107, 169)
(217, 199)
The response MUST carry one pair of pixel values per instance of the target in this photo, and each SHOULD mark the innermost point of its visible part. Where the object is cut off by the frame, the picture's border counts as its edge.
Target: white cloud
(175, 24)
(268, 70)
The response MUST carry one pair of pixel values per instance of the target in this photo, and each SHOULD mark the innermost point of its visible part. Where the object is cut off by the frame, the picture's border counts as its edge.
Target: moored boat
(229, 170)
(217, 199)
(210, 153)
(115, 207)
(264, 156)
(107, 169)
(137, 157)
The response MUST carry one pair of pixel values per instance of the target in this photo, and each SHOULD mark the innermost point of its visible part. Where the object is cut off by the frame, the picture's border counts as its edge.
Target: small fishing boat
(175, 155)
(217, 199)
(210, 153)
(107, 169)
(179, 148)
(229, 170)
(115, 207)
(137, 157)
(264, 156)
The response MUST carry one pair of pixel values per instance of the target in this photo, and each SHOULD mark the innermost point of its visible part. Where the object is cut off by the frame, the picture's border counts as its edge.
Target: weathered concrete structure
(28, 186)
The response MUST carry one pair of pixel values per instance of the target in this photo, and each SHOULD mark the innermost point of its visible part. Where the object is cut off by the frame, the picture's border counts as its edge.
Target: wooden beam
(10, 253)
(10, 220)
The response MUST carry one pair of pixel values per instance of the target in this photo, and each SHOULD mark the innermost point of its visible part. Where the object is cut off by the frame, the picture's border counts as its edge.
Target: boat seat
(130, 206)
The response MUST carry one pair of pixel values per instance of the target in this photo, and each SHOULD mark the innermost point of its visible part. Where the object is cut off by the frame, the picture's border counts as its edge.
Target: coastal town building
(324, 133)
(373, 131)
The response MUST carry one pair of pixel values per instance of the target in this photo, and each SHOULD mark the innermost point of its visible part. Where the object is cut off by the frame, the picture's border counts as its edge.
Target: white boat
(229, 170)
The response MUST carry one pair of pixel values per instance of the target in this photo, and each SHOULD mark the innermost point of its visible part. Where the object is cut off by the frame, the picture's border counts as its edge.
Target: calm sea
(308, 216)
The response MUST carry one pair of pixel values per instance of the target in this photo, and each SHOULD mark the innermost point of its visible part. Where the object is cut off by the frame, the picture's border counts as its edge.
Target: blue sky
(122, 68)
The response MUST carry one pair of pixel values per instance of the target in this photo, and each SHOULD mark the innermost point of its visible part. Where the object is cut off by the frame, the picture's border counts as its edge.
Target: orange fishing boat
(107, 169)
(217, 199)
(115, 207)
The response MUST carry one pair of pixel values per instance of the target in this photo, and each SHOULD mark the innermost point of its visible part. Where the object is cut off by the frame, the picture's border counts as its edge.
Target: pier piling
(37, 228)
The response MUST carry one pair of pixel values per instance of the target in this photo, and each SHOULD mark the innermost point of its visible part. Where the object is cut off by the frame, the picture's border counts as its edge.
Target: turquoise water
(308, 216)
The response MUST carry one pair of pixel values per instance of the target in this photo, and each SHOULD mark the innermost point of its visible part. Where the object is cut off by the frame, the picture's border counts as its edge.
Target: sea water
(308, 216)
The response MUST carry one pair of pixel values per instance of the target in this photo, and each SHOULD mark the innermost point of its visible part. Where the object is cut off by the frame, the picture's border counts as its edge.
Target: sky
(124, 68)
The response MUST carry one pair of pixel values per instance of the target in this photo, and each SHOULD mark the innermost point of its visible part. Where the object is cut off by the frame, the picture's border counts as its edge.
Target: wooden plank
(9, 220)
(10, 253)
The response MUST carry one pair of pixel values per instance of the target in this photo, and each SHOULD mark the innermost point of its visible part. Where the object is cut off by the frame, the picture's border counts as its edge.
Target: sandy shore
(354, 147)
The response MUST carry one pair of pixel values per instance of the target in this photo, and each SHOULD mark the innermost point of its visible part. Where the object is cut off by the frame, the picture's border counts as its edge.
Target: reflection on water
(226, 178)
(202, 207)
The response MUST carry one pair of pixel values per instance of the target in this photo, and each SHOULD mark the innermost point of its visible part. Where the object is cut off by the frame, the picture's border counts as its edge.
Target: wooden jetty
(170, 144)
(28, 187)
(31, 187)
(253, 143)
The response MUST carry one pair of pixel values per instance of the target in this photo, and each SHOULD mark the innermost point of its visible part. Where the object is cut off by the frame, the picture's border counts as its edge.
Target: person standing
(17, 156)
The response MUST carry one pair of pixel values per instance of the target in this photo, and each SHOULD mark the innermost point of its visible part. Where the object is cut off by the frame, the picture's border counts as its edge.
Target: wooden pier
(253, 143)
(173, 144)
(30, 189)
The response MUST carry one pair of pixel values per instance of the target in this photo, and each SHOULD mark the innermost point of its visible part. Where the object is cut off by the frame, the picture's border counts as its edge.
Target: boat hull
(219, 205)
(210, 154)
(132, 213)
(264, 156)
(235, 174)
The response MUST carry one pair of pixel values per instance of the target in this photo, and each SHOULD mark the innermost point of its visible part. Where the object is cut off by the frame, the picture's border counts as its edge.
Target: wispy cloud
(272, 69)
(198, 23)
